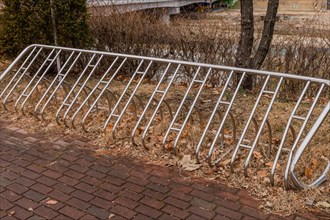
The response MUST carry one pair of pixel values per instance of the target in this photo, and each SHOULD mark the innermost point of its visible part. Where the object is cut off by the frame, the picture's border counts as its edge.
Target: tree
(25, 22)
(245, 57)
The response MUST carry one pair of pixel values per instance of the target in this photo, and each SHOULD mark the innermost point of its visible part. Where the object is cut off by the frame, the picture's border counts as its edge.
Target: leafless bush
(205, 41)
(135, 33)
(304, 52)
(145, 34)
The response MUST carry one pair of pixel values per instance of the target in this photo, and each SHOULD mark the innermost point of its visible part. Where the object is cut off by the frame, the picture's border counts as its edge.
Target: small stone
(269, 204)
(111, 216)
(309, 202)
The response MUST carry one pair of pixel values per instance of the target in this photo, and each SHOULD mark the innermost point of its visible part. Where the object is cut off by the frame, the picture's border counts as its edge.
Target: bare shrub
(302, 51)
(145, 34)
(211, 40)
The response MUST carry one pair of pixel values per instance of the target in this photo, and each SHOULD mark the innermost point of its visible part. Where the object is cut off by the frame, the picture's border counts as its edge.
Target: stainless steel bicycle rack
(84, 92)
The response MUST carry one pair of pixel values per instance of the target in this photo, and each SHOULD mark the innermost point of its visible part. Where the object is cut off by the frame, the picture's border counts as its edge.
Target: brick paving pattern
(62, 180)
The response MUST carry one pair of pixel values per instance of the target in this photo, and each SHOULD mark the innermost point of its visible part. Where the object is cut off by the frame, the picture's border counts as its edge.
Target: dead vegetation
(303, 51)
(275, 199)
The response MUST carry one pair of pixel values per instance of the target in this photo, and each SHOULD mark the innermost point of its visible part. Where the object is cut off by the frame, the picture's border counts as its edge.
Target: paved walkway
(64, 180)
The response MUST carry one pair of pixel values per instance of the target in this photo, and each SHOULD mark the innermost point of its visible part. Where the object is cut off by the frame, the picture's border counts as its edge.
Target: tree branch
(267, 34)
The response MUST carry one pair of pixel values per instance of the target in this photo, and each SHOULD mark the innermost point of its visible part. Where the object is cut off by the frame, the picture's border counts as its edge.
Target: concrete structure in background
(166, 7)
(135, 5)
(296, 5)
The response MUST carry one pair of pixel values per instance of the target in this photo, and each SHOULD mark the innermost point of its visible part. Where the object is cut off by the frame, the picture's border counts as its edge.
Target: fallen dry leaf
(308, 172)
(188, 164)
(276, 141)
(51, 202)
(109, 128)
(270, 164)
(257, 154)
(225, 162)
(314, 164)
(229, 141)
(323, 204)
(169, 146)
(160, 138)
(262, 173)
(185, 132)
(191, 167)
(139, 131)
(153, 139)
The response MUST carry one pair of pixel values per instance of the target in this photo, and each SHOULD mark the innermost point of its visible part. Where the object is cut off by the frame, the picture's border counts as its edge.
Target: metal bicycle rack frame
(87, 78)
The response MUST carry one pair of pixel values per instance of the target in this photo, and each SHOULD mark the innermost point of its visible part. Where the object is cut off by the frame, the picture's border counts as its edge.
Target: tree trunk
(267, 34)
(246, 38)
(244, 52)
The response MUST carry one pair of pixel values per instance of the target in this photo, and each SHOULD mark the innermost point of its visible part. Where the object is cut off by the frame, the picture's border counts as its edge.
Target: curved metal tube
(27, 96)
(49, 88)
(209, 159)
(169, 108)
(288, 126)
(83, 122)
(270, 138)
(140, 104)
(150, 101)
(187, 63)
(219, 101)
(82, 88)
(170, 128)
(129, 102)
(64, 103)
(302, 148)
(22, 67)
(255, 143)
(14, 63)
(160, 109)
(92, 94)
(43, 81)
(16, 74)
(256, 128)
(130, 99)
(61, 83)
(286, 174)
(101, 93)
(144, 134)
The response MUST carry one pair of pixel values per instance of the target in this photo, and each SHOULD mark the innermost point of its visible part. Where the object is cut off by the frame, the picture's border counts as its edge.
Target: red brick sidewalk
(36, 172)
